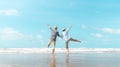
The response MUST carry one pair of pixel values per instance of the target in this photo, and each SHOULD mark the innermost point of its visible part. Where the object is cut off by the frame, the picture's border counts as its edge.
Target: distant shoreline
(58, 50)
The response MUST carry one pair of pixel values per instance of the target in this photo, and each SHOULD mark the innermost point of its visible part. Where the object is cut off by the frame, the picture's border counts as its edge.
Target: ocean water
(106, 59)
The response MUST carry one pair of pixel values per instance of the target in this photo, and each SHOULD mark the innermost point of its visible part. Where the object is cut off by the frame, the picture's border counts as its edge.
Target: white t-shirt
(65, 34)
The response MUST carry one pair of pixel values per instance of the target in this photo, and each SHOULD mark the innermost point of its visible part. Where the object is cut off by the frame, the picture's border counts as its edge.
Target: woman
(67, 38)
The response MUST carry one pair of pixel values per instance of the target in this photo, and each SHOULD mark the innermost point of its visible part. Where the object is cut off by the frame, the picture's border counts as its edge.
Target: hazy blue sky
(95, 22)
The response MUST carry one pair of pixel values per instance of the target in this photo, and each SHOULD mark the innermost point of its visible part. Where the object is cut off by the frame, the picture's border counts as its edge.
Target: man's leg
(53, 61)
(75, 40)
(50, 41)
(53, 50)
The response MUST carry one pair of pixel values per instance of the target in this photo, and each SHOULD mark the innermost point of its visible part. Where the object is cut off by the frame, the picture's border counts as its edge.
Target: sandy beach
(82, 59)
(61, 60)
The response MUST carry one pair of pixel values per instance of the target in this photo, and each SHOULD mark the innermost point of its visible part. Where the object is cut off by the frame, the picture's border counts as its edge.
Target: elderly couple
(65, 35)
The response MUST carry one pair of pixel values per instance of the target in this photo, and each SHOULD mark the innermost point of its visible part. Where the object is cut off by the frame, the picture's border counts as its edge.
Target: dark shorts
(53, 39)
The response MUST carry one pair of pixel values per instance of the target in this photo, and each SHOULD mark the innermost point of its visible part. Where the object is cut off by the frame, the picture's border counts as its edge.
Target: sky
(95, 22)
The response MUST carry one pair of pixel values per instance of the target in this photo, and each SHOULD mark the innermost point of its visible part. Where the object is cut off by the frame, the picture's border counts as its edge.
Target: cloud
(98, 35)
(40, 38)
(84, 26)
(110, 30)
(42, 31)
(9, 12)
(10, 34)
(36, 39)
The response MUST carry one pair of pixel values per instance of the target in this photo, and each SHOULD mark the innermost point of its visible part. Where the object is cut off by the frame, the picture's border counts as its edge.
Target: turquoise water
(61, 60)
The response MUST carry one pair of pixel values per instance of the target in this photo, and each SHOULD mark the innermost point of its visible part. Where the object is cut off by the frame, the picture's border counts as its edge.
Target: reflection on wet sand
(53, 61)
(67, 60)
(60, 60)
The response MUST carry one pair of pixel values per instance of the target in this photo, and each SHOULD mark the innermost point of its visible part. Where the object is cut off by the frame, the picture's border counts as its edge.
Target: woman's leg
(67, 48)
(75, 40)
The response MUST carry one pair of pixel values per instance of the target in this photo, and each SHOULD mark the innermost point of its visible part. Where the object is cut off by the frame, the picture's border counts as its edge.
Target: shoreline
(57, 50)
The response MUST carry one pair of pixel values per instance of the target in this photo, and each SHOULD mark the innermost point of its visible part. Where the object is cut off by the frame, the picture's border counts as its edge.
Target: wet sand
(61, 60)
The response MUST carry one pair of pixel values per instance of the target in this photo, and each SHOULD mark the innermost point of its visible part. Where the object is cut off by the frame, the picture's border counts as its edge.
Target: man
(67, 38)
(54, 34)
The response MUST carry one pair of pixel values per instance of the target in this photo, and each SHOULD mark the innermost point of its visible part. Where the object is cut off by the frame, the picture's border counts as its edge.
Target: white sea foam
(57, 50)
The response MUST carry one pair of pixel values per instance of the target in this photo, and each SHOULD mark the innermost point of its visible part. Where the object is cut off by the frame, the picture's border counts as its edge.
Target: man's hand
(48, 25)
